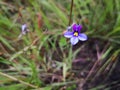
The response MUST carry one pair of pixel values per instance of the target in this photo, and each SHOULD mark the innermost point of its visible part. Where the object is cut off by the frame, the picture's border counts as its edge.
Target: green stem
(15, 79)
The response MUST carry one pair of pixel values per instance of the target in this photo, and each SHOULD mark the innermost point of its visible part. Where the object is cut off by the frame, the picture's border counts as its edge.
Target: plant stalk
(70, 17)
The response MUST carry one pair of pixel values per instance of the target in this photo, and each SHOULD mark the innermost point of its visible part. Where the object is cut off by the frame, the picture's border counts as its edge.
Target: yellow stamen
(75, 33)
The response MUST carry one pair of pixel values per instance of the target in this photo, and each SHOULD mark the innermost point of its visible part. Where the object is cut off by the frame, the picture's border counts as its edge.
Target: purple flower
(75, 34)
(24, 29)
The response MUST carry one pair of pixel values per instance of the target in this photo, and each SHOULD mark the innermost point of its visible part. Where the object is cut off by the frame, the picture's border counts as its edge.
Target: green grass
(44, 54)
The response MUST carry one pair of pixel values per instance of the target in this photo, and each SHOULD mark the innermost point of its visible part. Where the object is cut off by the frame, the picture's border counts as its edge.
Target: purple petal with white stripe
(68, 34)
(74, 40)
(82, 37)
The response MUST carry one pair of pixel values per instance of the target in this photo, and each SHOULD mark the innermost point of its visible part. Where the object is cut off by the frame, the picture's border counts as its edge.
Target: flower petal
(82, 37)
(69, 28)
(74, 40)
(77, 27)
(68, 34)
(24, 27)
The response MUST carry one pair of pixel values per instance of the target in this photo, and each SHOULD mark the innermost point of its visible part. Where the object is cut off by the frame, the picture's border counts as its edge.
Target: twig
(95, 64)
(89, 74)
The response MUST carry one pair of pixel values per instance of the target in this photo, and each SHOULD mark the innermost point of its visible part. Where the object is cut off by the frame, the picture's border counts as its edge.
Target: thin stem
(70, 13)
(15, 79)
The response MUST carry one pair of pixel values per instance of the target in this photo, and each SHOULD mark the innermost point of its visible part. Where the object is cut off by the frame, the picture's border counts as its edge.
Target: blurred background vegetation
(43, 59)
